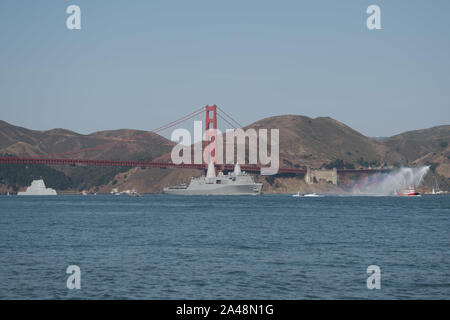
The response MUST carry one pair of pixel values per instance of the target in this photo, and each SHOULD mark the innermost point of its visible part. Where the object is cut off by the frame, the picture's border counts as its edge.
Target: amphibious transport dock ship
(233, 183)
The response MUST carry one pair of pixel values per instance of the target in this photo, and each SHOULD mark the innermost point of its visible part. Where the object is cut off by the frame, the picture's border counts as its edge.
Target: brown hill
(425, 147)
(303, 142)
(313, 142)
(122, 144)
(414, 145)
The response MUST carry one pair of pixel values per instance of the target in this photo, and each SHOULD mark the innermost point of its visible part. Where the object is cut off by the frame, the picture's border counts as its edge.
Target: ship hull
(50, 193)
(412, 194)
(217, 189)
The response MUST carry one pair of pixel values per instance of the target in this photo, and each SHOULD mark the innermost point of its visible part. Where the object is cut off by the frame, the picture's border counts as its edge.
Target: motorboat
(408, 192)
(133, 193)
(298, 194)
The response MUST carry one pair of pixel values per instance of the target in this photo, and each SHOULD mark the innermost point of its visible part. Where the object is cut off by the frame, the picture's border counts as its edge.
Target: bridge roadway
(151, 164)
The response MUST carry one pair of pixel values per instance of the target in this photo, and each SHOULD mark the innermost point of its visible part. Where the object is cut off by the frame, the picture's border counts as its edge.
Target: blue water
(274, 247)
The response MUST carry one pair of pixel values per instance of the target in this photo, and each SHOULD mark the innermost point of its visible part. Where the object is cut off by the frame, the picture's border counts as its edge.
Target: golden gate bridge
(212, 113)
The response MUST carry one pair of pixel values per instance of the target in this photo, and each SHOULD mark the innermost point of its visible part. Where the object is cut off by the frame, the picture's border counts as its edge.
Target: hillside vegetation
(122, 144)
(320, 143)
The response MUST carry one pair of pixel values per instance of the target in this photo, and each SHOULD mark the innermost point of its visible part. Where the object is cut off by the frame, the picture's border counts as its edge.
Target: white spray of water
(387, 184)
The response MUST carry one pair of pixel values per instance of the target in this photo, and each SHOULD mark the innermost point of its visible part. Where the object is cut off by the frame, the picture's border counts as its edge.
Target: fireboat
(411, 191)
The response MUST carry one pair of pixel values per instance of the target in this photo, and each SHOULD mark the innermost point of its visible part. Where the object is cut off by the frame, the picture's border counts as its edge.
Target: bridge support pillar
(210, 132)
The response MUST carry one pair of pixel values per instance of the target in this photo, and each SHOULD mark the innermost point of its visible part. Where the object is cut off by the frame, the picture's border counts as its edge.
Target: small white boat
(115, 192)
(436, 189)
(298, 194)
(133, 193)
(312, 195)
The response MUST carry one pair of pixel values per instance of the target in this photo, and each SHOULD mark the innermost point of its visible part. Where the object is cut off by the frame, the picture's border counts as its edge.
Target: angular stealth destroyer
(38, 188)
(234, 183)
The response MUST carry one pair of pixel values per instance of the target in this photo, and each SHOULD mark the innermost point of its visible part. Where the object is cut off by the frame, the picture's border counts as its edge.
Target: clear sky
(140, 64)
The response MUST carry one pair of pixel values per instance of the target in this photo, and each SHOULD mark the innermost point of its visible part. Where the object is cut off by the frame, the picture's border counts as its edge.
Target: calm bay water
(274, 247)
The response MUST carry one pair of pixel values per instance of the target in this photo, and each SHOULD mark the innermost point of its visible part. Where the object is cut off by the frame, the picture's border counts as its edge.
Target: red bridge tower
(211, 131)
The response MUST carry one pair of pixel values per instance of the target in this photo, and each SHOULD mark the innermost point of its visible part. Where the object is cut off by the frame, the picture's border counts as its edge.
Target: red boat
(408, 192)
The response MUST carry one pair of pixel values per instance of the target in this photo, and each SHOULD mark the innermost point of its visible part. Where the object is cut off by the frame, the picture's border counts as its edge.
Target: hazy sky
(140, 64)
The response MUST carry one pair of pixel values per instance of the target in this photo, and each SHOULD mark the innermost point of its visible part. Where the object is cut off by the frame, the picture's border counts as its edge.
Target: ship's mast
(211, 173)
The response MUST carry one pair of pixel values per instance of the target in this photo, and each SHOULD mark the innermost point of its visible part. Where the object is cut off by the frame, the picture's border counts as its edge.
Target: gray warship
(233, 183)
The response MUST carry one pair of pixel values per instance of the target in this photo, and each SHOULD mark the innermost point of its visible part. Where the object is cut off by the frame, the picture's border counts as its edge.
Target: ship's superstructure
(38, 188)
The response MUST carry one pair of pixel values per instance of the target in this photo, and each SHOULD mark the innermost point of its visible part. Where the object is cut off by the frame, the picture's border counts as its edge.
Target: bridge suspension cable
(229, 117)
(223, 115)
(112, 144)
(234, 127)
